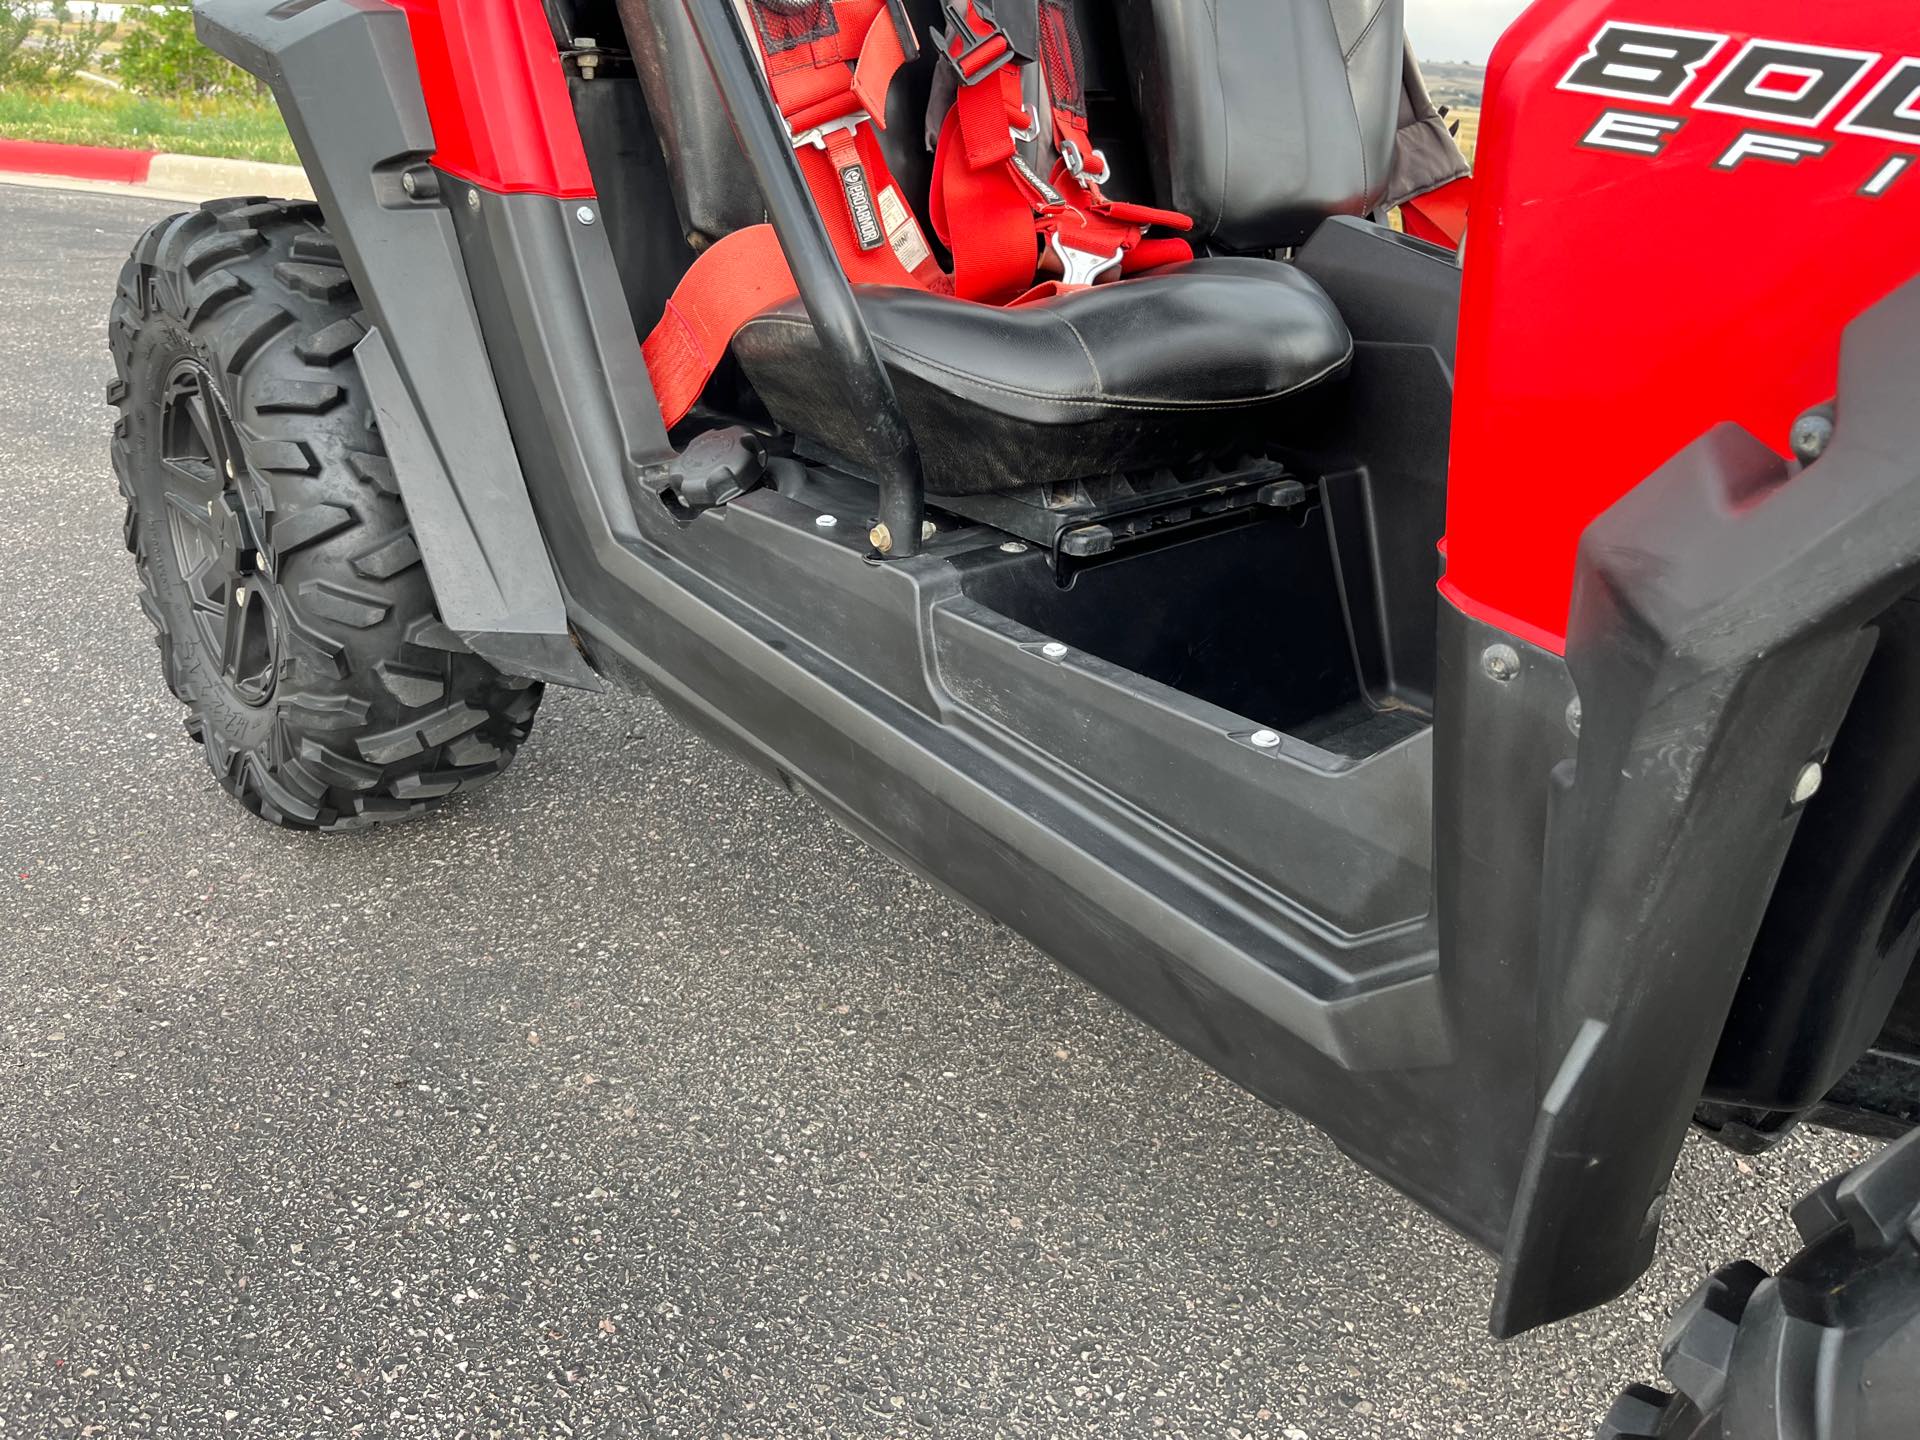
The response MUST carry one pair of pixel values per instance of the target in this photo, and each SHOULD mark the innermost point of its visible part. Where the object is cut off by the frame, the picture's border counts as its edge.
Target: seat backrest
(1263, 117)
(1258, 118)
(713, 189)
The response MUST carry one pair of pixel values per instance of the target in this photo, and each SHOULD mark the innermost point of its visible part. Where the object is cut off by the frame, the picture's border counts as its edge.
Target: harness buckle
(1077, 165)
(1080, 267)
(971, 44)
(816, 136)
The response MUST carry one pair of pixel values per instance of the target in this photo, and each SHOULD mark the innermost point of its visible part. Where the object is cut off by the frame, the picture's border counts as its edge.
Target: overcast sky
(1459, 29)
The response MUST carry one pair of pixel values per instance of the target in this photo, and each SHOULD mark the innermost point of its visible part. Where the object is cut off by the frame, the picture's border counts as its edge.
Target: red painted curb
(83, 162)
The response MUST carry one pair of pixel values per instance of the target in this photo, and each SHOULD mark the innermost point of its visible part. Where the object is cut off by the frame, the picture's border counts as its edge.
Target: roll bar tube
(848, 345)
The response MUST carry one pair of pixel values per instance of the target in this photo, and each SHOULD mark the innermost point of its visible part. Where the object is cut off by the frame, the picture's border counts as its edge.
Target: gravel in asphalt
(630, 1096)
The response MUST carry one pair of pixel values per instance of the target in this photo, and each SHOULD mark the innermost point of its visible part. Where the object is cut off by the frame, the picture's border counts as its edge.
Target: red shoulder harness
(1014, 234)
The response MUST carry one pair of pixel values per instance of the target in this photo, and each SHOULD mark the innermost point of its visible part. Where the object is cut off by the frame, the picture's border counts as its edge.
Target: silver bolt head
(1264, 740)
(1807, 783)
(1812, 433)
(260, 561)
(928, 530)
(240, 595)
(408, 183)
(473, 199)
(1502, 662)
(1573, 715)
(1054, 650)
(826, 522)
(585, 215)
(1014, 547)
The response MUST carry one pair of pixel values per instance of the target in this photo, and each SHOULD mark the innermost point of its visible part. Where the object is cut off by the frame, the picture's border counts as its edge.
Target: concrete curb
(153, 173)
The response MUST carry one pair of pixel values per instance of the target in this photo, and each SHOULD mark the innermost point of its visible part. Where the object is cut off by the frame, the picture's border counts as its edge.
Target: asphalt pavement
(630, 1096)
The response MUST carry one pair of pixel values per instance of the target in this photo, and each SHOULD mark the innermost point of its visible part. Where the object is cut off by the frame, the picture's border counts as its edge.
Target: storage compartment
(1251, 618)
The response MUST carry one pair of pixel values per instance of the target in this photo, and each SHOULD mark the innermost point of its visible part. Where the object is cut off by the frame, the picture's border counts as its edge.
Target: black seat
(1151, 370)
(1190, 361)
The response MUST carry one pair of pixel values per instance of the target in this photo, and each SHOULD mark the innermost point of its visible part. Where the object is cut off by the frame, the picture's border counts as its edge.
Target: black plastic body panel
(1492, 959)
(1381, 442)
(1724, 614)
(1880, 1094)
(1843, 927)
(630, 176)
(344, 76)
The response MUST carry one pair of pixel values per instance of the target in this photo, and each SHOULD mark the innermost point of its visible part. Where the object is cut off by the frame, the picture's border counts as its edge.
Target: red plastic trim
(82, 162)
(1440, 216)
(1620, 302)
(496, 94)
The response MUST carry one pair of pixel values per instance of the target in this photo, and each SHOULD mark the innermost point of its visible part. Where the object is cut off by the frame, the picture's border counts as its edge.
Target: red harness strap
(993, 211)
(829, 64)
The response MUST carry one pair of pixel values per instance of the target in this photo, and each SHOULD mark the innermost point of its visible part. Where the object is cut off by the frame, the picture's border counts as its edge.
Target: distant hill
(1455, 84)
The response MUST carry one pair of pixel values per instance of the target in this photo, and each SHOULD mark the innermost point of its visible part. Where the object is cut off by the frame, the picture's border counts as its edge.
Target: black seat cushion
(1155, 369)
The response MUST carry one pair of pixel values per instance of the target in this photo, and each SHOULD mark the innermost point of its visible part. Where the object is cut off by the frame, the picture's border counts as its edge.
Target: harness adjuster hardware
(1077, 166)
(971, 45)
(816, 136)
(1081, 267)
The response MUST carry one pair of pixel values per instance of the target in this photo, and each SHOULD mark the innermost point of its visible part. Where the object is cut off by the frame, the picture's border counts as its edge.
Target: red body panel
(497, 95)
(1619, 303)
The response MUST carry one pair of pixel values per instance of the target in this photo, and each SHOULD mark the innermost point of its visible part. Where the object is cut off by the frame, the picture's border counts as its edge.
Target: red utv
(1459, 680)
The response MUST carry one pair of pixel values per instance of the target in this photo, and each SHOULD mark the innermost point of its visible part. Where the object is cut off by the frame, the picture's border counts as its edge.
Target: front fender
(345, 77)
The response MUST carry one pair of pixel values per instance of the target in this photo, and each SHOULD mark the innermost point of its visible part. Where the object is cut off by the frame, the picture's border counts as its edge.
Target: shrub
(45, 54)
(162, 56)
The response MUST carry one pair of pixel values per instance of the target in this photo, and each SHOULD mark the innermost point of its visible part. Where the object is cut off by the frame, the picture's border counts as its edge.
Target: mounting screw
(260, 561)
(473, 199)
(825, 522)
(1264, 740)
(240, 595)
(1013, 547)
(1812, 433)
(1502, 662)
(1054, 650)
(584, 215)
(928, 530)
(1573, 715)
(1807, 783)
(881, 539)
(408, 183)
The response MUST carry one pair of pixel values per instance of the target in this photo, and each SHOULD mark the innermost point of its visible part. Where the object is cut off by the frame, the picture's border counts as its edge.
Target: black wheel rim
(215, 519)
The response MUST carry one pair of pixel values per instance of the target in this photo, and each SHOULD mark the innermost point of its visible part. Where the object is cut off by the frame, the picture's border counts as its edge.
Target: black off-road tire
(1828, 1349)
(339, 698)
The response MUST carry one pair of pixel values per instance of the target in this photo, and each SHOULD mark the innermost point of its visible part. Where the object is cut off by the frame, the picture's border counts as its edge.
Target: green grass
(240, 129)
